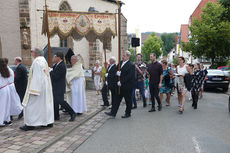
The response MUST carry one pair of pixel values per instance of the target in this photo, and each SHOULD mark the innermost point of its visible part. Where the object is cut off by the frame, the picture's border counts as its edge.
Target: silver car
(216, 79)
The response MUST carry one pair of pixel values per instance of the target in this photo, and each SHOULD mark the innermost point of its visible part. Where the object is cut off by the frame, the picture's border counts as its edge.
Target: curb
(48, 144)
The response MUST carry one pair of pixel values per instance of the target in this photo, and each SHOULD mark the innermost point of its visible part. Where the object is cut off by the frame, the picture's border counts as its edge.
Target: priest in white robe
(38, 100)
(76, 86)
(9, 101)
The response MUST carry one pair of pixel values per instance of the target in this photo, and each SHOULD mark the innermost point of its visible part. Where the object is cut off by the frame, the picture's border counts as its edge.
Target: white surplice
(38, 100)
(78, 95)
(76, 88)
(9, 100)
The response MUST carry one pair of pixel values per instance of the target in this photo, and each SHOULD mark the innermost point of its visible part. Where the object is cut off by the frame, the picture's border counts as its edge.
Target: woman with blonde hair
(97, 76)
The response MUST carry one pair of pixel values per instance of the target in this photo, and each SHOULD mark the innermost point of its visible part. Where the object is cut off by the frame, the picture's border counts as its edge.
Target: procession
(107, 76)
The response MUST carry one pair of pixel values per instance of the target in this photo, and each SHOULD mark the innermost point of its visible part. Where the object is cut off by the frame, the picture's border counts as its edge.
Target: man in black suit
(20, 79)
(127, 78)
(112, 84)
(58, 75)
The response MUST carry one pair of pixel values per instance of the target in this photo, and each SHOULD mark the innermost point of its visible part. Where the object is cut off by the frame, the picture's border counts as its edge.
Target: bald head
(17, 60)
(74, 59)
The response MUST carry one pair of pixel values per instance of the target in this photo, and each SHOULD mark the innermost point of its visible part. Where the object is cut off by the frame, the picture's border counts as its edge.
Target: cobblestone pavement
(13, 140)
(72, 141)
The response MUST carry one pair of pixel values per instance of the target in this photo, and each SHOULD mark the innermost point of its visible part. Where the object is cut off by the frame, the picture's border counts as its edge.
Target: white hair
(38, 51)
(113, 58)
(97, 62)
(128, 53)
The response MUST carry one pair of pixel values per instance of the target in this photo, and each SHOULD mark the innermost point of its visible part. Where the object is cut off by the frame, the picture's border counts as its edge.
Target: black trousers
(127, 94)
(104, 92)
(59, 100)
(154, 92)
(195, 98)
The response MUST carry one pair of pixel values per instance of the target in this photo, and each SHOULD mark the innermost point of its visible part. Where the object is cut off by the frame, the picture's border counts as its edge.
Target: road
(206, 130)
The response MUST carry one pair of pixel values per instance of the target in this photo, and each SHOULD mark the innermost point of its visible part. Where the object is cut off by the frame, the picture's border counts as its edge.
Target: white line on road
(196, 145)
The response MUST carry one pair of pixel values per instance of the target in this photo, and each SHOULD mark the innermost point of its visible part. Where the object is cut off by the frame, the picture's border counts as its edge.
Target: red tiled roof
(184, 32)
(199, 8)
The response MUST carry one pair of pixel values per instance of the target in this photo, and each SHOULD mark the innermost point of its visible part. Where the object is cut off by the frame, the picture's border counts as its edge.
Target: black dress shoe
(49, 126)
(57, 119)
(109, 114)
(7, 123)
(27, 128)
(73, 116)
(134, 107)
(126, 116)
(152, 110)
(159, 107)
(20, 115)
(79, 114)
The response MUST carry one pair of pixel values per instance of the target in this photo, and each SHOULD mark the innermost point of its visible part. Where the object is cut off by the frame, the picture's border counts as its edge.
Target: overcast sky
(158, 15)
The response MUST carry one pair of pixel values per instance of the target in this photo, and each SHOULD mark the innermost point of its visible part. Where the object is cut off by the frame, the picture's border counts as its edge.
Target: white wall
(10, 29)
(80, 47)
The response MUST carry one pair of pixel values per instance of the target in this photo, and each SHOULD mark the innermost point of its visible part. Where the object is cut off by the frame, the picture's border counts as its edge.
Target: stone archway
(64, 6)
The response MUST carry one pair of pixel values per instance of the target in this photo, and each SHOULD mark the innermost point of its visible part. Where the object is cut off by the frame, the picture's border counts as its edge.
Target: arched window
(69, 41)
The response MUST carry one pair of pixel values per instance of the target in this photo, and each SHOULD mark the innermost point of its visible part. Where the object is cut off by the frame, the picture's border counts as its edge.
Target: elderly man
(127, 78)
(38, 100)
(58, 75)
(76, 86)
(20, 79)
(112, 84)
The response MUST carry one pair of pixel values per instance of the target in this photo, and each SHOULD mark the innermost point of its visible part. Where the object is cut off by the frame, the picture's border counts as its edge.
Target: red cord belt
(6, 85)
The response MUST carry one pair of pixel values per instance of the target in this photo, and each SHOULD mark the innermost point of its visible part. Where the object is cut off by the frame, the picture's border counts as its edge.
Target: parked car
(225, 69)
(216, 79)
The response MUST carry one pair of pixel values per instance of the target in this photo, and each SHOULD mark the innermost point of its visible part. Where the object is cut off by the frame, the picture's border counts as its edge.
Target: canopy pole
(119, 42)
(48, 36)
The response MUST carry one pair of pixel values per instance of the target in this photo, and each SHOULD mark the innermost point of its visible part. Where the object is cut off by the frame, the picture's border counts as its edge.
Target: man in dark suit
(112, 84)
(20, 79)
(58, 75)
(127, 78)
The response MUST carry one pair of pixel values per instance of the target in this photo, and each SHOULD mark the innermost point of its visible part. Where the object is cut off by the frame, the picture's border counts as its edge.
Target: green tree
(226, 13)
(168, 42)
(133, 55)
(210, 37)
(153, 44)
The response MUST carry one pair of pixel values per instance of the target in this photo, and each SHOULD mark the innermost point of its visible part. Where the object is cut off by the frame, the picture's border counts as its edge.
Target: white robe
(38, 100)
(78, 95)
(9, 100)
(75, 88)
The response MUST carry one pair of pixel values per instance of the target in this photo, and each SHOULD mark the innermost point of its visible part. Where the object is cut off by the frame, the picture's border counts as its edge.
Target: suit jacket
(112, 77)
(127, 77)
(58, 76)
(20, 80)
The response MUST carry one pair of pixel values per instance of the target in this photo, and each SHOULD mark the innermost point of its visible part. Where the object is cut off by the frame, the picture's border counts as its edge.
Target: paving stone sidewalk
(14, 140)
(72, 141)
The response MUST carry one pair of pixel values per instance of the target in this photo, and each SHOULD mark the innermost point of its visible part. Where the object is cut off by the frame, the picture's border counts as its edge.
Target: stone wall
(9, 30)
(24, 14)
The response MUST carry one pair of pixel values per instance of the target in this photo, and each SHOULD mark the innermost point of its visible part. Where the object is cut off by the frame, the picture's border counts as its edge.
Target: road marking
(196, 145)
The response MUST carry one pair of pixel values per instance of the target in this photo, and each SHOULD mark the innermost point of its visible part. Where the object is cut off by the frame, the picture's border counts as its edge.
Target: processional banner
(92, 26)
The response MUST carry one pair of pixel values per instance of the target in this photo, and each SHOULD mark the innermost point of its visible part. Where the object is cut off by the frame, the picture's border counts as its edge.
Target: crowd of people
(38, 95)
(153, 80)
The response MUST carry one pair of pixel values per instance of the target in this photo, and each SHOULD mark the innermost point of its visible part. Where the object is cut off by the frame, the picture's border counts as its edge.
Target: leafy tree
(133, 55)
(175, 61)
(168, 42)
(210, 37)
(226, 13)
(153, 44)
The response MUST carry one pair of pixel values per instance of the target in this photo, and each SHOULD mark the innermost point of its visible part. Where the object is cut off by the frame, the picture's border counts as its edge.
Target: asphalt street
(205, 130)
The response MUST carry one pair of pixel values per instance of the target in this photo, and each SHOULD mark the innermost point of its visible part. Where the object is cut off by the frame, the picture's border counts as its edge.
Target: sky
(157, 15)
